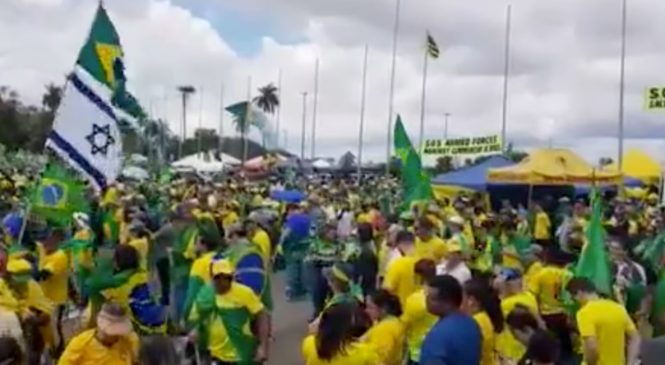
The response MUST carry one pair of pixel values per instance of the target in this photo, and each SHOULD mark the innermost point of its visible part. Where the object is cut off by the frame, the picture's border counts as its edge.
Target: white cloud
(565, 64)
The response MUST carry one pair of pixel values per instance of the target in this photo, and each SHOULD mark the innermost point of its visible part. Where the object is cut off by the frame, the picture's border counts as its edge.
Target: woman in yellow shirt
(482, 302)
(336, 342)
(386, 336)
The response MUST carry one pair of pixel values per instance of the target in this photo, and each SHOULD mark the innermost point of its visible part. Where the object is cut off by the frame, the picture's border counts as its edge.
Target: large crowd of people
(169, 271)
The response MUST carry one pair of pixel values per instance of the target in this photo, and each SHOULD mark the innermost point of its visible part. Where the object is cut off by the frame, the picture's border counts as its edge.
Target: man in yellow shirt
(259, 237)
(546, 285)
(608, 333)
(400, 276)
(512, 292)
(542, 226)
(112, 342)
(54, 278)
(224, 313)
(428, 244)
(416, 318)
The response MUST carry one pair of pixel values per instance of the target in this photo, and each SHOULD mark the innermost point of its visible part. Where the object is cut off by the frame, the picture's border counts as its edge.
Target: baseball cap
(509, 274)
(20, 270)
(221, 267)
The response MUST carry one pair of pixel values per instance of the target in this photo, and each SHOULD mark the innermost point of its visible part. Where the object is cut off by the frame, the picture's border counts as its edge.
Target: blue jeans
(295, 286)
(179, 297)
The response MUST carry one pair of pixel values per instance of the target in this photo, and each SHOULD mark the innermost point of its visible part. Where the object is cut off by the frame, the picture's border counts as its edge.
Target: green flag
(102, 58)
(594, 263)
(58, 195)
(415, 181)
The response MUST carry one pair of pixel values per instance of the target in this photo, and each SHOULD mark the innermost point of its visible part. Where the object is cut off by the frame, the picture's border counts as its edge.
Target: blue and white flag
(86, 135)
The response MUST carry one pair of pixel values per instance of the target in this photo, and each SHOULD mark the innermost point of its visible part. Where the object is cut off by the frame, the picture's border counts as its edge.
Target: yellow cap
(19, 266)
(221, 267)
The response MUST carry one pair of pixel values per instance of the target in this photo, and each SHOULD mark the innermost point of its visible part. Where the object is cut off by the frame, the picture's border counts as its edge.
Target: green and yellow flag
(594, 263)
(415, 181)
(102, 58)
(58, 195)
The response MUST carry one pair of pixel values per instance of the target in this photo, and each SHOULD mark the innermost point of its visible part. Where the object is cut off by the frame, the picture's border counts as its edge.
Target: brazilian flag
(58, 195)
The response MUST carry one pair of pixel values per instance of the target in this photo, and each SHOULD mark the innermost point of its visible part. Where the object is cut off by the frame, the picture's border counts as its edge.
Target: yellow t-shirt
(262, 240)
(142, 246)
(506, 344)
(386, 338)
(238, 297)
(546, 285)
(56, 287)
(354, 354)
(230, 218)
(417, 322)
(488, 356)
(201, 267)
(84, 258)
(609, 323)
(542, 226)
(433, 249)
(84, 349)
(531, 273)
(401, 278)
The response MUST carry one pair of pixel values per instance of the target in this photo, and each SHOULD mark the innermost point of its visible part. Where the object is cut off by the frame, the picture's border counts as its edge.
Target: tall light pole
(315, 109)
(389, 142)
(363, 97)
(304, 125)
(622, 82)
(185, 91)
(506, 71)
(445, 125)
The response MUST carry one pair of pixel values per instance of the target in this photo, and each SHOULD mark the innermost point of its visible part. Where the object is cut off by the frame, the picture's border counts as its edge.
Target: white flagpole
(363, 97)
(389, 142)
(506, 71)
(622, 82)
(315, 108)
(304, 126)
(422, 102)
(445, 125)
(245, 128)
(220, 145)
(279, 107)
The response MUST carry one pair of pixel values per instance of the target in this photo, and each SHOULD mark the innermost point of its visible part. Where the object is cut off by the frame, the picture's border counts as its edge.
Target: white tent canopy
(322, 163)
(204, 162)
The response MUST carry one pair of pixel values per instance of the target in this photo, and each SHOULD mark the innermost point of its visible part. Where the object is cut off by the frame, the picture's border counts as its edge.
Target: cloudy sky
(564, 65)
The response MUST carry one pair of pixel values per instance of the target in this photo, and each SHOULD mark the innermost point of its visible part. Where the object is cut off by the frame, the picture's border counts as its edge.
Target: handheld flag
(86, 130)
(432, 47)
(58, 196)
(594, 263)
(415, 181)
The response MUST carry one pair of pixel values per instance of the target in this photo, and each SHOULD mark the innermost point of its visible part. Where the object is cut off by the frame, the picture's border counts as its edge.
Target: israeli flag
(85, 132)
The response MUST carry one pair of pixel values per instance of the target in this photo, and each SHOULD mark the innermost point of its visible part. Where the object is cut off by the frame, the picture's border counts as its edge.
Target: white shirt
(460, 272)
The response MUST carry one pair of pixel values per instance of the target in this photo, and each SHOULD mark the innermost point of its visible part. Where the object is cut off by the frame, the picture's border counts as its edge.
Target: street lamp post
(185, 91)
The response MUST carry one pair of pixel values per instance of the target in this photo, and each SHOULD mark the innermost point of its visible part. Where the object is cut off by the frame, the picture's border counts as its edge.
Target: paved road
(289, 326)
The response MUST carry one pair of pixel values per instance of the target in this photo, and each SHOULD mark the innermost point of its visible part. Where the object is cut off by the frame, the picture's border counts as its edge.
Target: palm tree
(268, 100)
(52, 97)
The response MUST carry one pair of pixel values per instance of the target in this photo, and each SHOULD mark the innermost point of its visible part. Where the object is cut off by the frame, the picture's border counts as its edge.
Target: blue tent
(472, 177)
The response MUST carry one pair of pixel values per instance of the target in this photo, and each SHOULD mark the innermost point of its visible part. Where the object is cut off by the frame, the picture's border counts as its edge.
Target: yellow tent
(552, 167)
(639, 165)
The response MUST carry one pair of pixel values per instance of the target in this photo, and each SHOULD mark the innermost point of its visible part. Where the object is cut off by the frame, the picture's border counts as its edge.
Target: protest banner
(654, 98)
(487, 145)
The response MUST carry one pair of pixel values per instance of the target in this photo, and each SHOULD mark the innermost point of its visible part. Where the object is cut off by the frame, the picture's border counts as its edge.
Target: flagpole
(245, 128)
(302, 129)
(363, 97)
(220, 144)
(622, 82)
(391, 99)
(279, 106)
(506, 71)
(199, 140)
(315, 108)
(422, 103)
(445, 125)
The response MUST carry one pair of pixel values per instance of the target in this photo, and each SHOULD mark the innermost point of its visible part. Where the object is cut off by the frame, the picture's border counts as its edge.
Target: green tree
(444, 164)
(267, 100)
